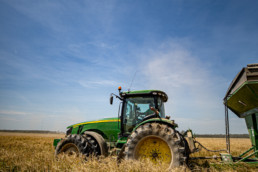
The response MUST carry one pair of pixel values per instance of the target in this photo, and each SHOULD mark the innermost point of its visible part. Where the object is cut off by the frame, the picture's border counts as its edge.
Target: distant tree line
(33, 131)
(196, 135)
(221, 135)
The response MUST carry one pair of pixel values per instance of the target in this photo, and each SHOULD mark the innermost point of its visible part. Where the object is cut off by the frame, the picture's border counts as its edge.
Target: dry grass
(34, 152)
(237, 145)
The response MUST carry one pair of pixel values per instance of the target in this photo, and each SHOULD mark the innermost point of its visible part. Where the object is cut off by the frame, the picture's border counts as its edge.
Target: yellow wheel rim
(153, 148)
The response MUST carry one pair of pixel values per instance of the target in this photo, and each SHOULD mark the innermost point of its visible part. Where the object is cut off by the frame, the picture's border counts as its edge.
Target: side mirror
(111, 100)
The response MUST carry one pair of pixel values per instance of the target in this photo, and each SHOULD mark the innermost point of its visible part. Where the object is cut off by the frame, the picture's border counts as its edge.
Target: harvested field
(34, 152)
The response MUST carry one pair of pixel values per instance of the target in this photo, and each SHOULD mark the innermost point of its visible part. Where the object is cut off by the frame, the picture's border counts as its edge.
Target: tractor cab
(138, 106)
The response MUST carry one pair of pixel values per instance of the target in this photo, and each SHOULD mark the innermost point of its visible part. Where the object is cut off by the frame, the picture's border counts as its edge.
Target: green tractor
(141, 131)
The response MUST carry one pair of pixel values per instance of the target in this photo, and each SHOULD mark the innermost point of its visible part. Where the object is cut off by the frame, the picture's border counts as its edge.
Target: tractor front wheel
(74, 145)
(98, 142)
(157, 142)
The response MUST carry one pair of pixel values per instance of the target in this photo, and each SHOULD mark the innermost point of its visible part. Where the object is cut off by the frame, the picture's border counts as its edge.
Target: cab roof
(162, 94)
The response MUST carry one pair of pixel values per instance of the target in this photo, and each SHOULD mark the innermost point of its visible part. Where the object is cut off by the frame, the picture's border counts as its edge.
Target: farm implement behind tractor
(143, 131)
(242, 99)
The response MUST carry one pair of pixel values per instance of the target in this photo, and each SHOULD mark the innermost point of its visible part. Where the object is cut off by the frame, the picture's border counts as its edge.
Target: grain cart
(242, 99)
(141, 131)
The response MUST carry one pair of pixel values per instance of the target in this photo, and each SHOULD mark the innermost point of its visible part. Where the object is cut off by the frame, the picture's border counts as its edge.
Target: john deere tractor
(141, 131)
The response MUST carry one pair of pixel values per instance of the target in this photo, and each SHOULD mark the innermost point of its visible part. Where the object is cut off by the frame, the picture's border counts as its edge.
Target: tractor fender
(170, 123)
(96, 131)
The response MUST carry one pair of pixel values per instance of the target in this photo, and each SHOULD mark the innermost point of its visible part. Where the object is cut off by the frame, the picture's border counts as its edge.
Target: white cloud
(195, 93)
(175, 67)
(187, 81)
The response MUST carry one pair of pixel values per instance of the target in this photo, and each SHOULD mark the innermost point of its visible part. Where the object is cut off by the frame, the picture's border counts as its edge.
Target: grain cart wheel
(73, 145)
(158, 143)
(98, 142)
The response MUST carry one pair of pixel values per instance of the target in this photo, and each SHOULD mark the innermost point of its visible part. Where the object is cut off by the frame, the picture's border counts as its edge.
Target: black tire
(158, 142)
(100, 145)
(74, 145)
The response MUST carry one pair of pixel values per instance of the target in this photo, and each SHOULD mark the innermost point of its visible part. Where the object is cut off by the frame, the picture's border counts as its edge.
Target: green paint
(108, 130)
(252, 126)
(120, 142)
(81, 123)
(56, 142)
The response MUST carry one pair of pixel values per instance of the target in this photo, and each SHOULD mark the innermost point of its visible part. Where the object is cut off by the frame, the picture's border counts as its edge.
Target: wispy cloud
(33, 120)
(102, 45)
(98, 83)
(3, 112)
(56, 16)
(26, 114)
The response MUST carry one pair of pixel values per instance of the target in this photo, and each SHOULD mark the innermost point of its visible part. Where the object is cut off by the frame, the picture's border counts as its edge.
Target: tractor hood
(108, 128)
(103, 120)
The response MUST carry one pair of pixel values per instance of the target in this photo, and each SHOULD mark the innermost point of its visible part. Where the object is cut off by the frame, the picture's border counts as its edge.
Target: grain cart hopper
(141, 131)
(242, 99)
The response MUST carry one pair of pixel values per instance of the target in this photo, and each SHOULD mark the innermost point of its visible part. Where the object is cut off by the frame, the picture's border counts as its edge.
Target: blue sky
(60, 60)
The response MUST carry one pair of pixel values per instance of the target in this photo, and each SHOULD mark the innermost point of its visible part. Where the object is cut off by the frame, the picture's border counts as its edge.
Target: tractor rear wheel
(157, 142)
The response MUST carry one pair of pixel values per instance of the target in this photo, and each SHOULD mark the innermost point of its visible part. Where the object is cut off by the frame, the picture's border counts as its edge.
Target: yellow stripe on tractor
(93, 122)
